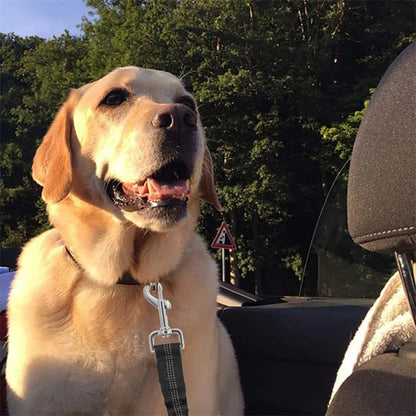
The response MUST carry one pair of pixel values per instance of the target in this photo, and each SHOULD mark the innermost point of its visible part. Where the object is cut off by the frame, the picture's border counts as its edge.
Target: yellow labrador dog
(123, 167)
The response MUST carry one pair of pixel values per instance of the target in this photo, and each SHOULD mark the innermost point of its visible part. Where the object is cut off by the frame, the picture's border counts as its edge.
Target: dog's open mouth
(169, 186)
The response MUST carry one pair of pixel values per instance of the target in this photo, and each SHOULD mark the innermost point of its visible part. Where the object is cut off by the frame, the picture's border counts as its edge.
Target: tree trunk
(258, 281)
(235, 275)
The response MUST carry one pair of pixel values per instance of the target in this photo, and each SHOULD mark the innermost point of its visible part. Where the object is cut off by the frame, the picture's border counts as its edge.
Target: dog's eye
(115, 98)
(188, 101)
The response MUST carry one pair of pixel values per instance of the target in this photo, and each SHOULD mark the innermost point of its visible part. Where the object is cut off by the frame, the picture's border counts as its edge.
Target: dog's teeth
(138, 188)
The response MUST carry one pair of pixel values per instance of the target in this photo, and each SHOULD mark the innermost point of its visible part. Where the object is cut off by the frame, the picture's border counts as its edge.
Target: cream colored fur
(387, 326)
(78, 342)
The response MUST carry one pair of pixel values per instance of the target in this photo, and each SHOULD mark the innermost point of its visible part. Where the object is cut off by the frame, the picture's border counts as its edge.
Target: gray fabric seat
(385, 385)
(382, 218)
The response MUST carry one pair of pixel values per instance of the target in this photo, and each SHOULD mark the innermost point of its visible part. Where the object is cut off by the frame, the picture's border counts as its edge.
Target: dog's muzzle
(175, 129)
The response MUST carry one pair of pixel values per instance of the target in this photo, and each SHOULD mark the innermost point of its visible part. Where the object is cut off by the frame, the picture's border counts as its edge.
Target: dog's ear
(206, 186)
(52, 165)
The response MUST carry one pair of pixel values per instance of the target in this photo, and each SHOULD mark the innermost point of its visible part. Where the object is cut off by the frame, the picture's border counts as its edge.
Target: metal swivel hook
(162, 305)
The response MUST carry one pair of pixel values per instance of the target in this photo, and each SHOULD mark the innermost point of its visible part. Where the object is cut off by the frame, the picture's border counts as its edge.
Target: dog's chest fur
(93, 340)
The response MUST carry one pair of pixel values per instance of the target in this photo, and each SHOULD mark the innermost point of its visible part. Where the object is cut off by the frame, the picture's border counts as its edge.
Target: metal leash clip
(162, 305)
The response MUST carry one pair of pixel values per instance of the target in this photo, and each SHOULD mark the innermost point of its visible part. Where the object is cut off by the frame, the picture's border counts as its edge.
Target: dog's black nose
(174, 116)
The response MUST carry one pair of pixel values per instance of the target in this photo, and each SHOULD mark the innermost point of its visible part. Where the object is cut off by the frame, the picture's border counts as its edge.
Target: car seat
(378, 373)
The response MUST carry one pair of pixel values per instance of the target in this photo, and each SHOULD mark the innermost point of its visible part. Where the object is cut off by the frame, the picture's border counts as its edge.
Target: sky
(44, 18)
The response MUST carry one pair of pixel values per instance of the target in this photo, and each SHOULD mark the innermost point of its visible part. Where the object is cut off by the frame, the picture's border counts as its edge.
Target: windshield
(336, 266)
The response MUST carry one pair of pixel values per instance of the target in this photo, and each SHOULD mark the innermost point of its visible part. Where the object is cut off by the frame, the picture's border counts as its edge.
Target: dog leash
(168, 356)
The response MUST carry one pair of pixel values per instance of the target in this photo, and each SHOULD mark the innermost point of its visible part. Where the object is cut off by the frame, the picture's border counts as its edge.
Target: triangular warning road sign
(223, 238)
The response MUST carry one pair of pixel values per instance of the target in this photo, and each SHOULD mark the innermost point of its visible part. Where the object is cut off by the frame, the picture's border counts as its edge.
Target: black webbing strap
(169, 368)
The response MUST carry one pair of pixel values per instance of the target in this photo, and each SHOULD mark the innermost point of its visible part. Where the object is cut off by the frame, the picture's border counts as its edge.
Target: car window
(336, 266)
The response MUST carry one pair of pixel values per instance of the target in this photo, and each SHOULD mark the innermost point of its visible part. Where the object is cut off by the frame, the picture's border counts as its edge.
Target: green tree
(280, 86)
(17, 194)
(36, 78)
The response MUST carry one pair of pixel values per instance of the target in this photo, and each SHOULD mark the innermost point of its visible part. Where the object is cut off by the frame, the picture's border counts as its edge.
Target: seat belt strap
(168, 355)
(169, 368)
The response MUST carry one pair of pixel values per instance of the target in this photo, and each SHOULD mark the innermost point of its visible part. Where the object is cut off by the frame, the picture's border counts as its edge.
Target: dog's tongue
(166, 190)
(154, 190)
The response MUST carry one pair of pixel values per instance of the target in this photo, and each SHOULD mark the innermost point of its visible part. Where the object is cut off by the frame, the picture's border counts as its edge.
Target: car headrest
(382, 179)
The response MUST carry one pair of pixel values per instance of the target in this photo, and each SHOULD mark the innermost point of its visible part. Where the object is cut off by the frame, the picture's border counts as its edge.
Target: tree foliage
(280, 86)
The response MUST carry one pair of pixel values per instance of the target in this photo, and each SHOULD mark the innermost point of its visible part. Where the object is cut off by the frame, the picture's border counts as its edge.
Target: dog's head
(132, 144)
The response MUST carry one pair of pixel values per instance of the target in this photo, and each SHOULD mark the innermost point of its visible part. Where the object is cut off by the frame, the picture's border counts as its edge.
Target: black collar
(125, 279)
